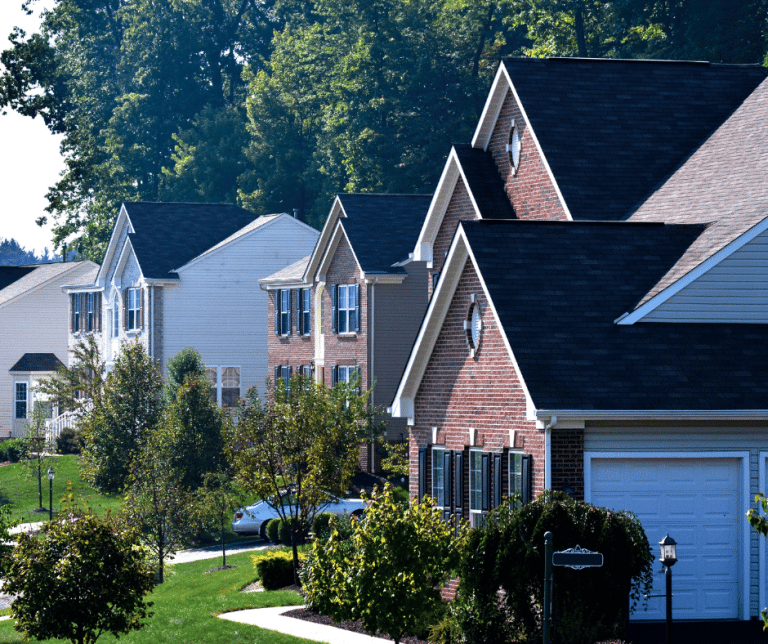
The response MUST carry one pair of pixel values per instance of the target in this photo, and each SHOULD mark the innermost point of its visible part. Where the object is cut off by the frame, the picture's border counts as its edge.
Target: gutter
(650, 414)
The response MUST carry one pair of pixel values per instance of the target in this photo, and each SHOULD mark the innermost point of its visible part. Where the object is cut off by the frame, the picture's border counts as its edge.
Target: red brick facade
(531, 191)
(459, 393)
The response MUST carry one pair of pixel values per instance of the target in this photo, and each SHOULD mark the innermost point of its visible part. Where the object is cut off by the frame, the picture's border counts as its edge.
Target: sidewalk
(272, 619)
(211, 552)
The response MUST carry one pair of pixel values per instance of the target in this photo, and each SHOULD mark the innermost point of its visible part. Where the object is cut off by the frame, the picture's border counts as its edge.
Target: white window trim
(348, 288)
(17, 400)
(135, 310)
(220, 380)
(306, 299)
(473, 511)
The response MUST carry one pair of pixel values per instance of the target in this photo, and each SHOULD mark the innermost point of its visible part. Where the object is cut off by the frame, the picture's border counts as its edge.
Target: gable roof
(556, 289)
(723, 182)
(382, 229)
(33, 276)
(612, 130)
(168, 235)
(291, 274)
(37, 362)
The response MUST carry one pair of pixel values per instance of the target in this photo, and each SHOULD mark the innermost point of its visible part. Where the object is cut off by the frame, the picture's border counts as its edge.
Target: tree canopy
(280, 104)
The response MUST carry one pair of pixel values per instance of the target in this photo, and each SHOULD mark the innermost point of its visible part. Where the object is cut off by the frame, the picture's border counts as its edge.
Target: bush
(68, 441)
(402, 496)
(284, 530)
(325, 523)
(508, 555)
(272, 528)
(275, 570)
(11, 450)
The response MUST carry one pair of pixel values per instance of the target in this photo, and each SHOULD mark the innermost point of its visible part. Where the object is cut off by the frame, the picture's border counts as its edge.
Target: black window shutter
(278, 300)
(289, 330)
(527, 478)
(447, 477)
(486, 481)
(334, 308)
(300, 311)
(497, 470)
(422, 472)
(277, 376)
(334, 375)
(458, 477)
(357, 307)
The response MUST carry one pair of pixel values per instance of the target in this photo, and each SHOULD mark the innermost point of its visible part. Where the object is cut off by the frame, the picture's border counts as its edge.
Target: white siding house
(180, 275)
(33, 333)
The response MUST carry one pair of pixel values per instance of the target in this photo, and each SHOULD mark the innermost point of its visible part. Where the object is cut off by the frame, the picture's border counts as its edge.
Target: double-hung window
(346, 373)
(225, 384)
(305, 310)
(479, 486)
(520, 476)
(283, 312)
(441, 479)
(346, 308)
(20, 400)
(76, 312)
(133, 313)
(212, 374)
(283, 375)
(90, 299)
(116, 320)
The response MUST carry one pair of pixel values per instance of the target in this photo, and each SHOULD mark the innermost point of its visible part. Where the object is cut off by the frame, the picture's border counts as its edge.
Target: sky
(29, 154)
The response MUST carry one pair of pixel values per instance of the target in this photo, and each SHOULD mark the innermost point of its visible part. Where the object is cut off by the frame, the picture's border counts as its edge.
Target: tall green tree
(187, 362)
(297, 446)
(120, 422)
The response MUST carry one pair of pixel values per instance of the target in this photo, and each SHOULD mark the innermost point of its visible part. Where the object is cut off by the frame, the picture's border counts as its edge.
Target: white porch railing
(66, 420)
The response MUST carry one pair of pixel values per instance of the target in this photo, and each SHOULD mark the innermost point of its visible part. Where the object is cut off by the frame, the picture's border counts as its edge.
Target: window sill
(347, 334)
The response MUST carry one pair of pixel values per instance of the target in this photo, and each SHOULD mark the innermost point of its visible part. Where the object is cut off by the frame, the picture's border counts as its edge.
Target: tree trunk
(580, 39)
(223, 546)
(295, 549)
(39, 484)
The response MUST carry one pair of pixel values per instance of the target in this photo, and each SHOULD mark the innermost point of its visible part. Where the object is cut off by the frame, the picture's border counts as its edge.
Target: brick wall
(459, 392)
(531, 191)
(288, 350)
(459, 208)
(567, 454)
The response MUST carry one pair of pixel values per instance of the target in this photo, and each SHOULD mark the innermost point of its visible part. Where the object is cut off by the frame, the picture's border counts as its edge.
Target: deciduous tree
(84, 578)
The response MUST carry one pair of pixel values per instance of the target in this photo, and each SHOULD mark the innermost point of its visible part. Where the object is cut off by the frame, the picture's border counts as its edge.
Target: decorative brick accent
(531, 190)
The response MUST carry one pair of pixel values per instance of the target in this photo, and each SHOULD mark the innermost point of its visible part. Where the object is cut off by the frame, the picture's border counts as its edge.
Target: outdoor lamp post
(668, 559)
(51, 474)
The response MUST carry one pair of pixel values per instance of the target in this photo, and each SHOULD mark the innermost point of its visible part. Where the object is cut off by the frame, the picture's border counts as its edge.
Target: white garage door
(697, 502)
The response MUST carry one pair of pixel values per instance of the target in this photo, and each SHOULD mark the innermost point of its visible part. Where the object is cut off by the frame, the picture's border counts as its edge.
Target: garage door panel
(697, 502)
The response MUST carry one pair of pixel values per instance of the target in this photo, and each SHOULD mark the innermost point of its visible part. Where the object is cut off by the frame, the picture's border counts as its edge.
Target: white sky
(29, 154)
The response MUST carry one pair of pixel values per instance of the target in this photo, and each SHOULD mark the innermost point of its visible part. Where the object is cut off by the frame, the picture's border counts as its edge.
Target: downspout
(152, 320)
(548, 452)
(371, 327)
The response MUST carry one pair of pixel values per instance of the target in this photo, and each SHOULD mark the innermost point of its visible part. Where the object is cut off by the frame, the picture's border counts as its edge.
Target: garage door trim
(744, 503)
(763, 578)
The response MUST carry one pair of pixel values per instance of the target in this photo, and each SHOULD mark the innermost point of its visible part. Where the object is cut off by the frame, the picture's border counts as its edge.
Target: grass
(19, 487)
(187, 604)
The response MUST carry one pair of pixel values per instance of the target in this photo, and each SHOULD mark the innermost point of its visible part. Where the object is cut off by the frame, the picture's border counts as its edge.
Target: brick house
(606, 338)
(176, 275)
(353, 307)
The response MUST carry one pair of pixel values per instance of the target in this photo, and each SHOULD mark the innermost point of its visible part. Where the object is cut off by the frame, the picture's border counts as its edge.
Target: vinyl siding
(735, 290)
(37, 322)
(217, 305)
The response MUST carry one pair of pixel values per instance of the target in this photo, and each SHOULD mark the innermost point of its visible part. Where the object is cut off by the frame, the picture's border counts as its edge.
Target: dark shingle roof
(484, 182)
(558, 287)
(168, 235)
(9, 274)
(383, 229)
(611, 130)
(37, 362)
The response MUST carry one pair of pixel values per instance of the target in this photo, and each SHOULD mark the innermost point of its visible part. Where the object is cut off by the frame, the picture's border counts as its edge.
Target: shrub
(326, 522)
(68, 441)
(508, 555)
(272, 530)
(402, 496)
(284, 530)
(275, 570)
(11, 450)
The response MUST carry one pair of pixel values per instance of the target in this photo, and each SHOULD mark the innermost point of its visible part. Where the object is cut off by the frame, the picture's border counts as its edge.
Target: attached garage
(700, 500)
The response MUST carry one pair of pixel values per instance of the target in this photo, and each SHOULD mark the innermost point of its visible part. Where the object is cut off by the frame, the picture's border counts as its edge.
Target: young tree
(215, 502)
(298, 446)
(390, 572)
(120, 421)
(74, 388)
(157, 505)
(36, 452)
(186, 362)
(83, 579)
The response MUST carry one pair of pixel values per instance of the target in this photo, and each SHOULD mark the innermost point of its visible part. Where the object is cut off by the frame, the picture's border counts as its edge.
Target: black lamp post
(51, 474)
(668, 559)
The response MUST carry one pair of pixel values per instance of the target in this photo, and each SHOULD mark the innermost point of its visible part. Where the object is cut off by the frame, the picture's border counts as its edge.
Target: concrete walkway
(272, 619)
(211, 552)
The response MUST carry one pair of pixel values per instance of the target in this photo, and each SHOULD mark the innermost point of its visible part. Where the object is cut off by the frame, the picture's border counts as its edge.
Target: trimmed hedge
(275, 570)
(11, 450)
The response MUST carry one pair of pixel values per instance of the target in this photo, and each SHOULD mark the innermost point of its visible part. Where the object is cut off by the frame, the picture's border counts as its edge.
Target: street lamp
(51, 474)
(668, 559)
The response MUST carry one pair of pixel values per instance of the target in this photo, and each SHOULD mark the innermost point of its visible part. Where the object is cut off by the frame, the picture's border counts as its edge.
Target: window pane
(515, 474)
(230, 377)
(342, 297)
(475, 480)
(352, 319)
(229, 396)
(438, 477)
(351, 297)
(211, 374)
(21, 400)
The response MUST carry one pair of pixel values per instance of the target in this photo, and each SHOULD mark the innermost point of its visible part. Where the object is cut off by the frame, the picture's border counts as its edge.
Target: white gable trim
(403, 404)
(122, 221)
(320, 250)
(501, 84)
(125, 254)
(438, 207)
(660, 298)
(330, 252)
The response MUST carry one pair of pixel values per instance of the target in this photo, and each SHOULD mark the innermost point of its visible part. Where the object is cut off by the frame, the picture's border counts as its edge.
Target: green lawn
(19, 487)
(186, 606)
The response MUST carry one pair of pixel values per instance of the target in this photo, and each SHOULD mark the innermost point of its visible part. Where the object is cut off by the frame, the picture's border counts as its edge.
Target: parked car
(254, 518)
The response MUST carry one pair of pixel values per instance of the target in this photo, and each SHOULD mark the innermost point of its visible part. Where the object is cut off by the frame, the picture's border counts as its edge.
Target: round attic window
(514, 146)
(474, 326)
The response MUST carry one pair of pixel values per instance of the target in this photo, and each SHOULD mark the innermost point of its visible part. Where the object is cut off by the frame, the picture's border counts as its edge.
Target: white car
(254, 518)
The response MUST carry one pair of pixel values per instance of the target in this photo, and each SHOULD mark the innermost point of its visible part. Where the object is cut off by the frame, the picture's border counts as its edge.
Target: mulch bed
(357, 627)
